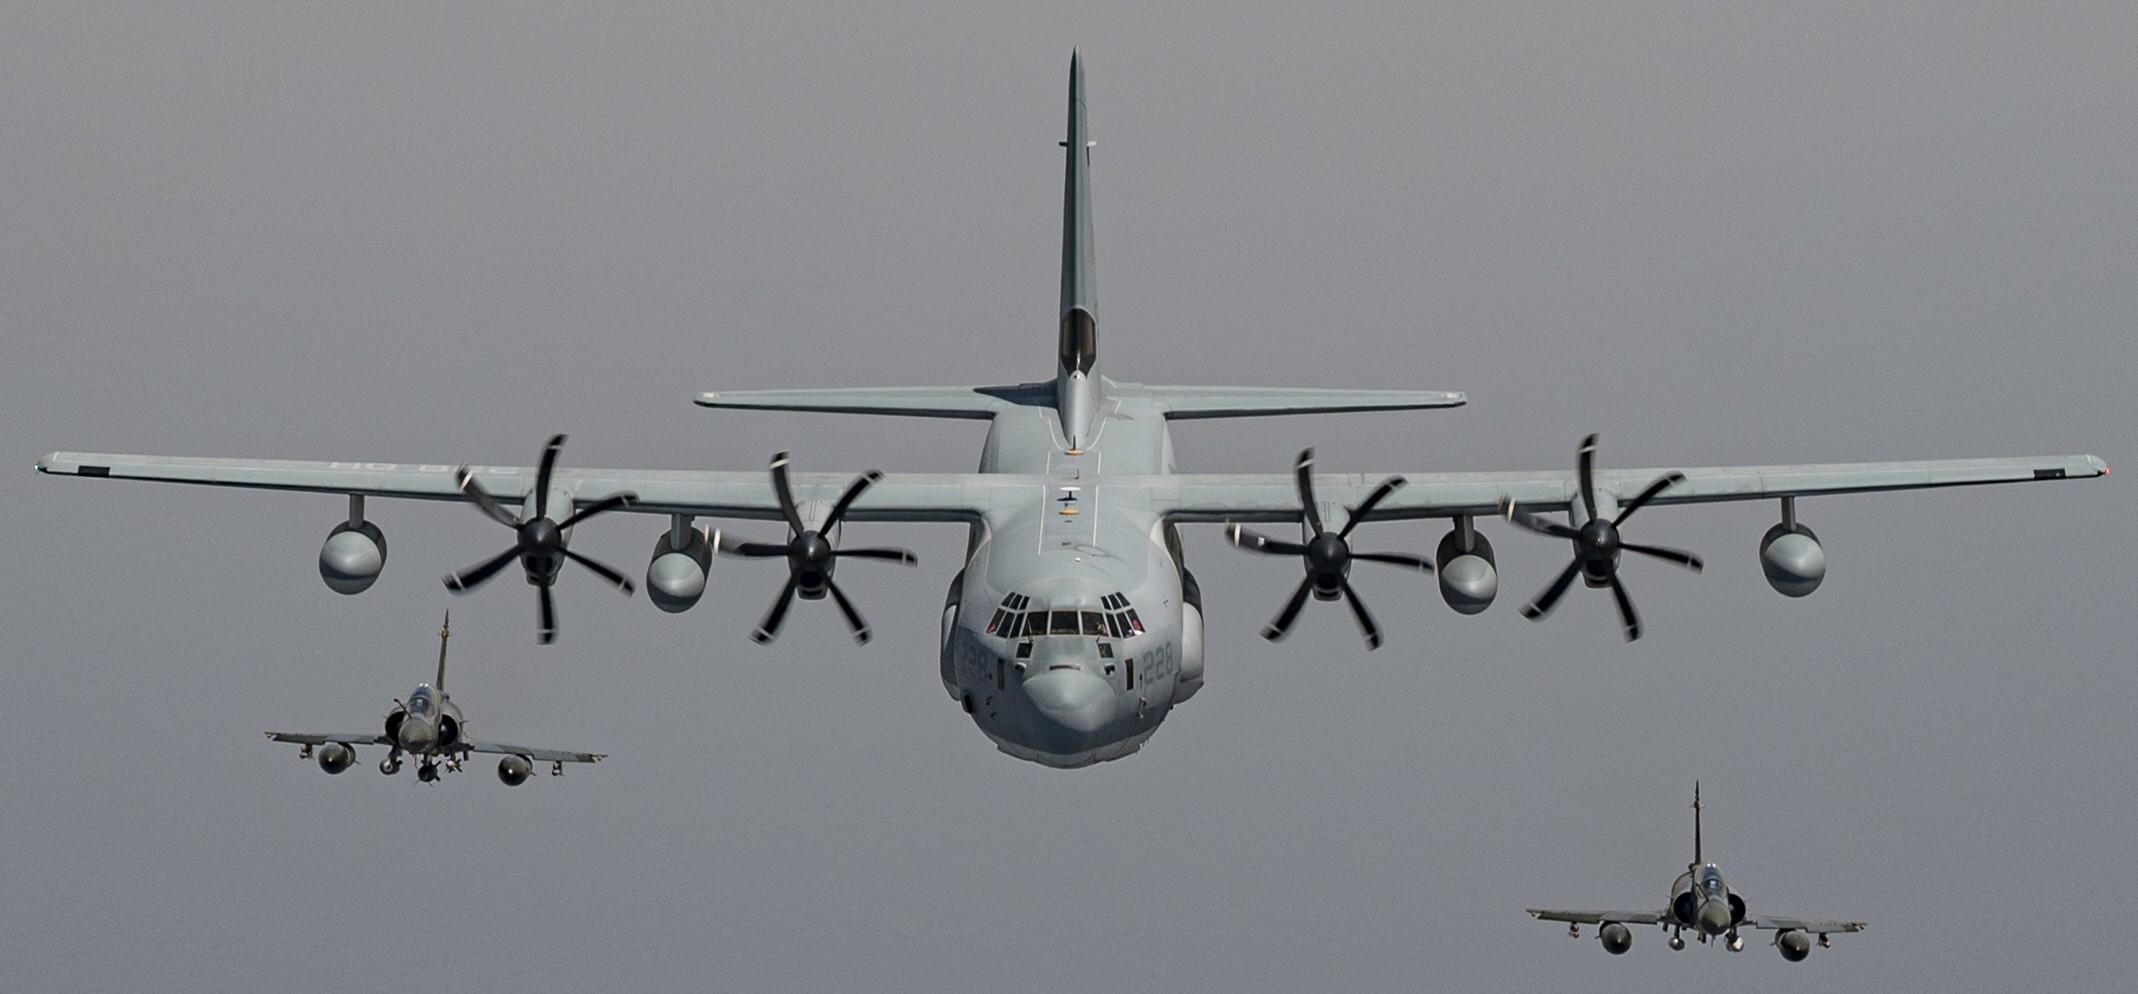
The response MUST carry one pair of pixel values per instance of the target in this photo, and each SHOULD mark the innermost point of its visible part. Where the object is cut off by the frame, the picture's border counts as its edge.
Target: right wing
(306, 738)
(538, 755)
(1772, 923)
(1599, 917)
(745, 494)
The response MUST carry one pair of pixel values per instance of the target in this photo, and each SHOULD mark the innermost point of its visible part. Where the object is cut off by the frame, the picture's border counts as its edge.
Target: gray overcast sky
(425, 232)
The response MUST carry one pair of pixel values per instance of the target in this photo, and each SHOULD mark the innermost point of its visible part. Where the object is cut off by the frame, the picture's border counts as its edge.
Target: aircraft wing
(1598, 917)
(1275, 497)
(1771, 923)
(306, 738)
(744, 494)
(538, 755)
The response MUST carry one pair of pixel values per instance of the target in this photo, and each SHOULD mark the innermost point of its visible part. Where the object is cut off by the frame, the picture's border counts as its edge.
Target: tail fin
(1076, 373)
(1697, 859)
(445, 631)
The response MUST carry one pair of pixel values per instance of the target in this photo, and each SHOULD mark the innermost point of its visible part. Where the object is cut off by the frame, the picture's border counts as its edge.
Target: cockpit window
(1093, 623)
(1064, 623)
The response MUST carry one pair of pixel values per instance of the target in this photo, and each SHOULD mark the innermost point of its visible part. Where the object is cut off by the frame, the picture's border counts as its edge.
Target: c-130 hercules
(1073, 626)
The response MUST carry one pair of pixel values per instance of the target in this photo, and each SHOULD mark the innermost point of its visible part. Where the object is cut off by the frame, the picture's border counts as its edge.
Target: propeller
(811, 556)
(1327, 556)
(1597, 544)
(540, 545)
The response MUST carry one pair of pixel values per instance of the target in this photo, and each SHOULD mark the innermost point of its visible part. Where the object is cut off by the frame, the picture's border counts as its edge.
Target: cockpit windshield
(419, 702)
(1016, 619)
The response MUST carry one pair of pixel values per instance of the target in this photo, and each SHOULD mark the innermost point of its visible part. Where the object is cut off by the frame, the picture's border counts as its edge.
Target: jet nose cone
(1714, 917)
(416, 736)
(1073, 699)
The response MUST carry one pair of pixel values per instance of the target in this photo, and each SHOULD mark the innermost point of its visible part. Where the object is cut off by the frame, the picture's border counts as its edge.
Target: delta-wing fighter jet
(1701, 901)
(429, 727)
(1074, 625)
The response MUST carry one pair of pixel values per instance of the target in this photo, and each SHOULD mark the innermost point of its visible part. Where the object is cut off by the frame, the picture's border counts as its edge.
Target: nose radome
(416, 736)
(1714, 917)
(1071, 698)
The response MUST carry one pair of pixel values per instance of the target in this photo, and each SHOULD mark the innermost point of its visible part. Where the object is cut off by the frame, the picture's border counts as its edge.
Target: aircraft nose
(416, 736)
(1073, 699)
(1714, 917)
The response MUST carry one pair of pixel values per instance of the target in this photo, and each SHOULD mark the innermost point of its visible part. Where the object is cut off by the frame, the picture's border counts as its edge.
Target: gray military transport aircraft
(1073, 626)
(429, 726)
(1701, 901)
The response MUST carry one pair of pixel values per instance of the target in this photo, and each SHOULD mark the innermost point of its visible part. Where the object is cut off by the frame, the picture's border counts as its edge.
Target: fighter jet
(1702, 902)
(429, 726)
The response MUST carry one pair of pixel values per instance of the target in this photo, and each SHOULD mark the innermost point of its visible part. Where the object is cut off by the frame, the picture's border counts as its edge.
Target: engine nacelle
(448, 732)
(1468, 580)
(393, 724)
(1617, 938)
(514, 770)
(1737, 909)
(352, 557)
(675, 578)
(1792, 558)
(335, 757)
(1794, 944)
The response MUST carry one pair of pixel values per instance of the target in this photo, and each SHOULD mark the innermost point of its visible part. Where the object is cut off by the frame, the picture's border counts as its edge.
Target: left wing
(1270, 497)
(1771, 923)
(724, 494)
(1598, 917)
(538, 755)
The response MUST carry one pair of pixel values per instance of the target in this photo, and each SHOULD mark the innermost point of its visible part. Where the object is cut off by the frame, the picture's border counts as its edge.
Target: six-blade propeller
(811, 556)
(1327, 556)
(1597, 543)
(540, 546)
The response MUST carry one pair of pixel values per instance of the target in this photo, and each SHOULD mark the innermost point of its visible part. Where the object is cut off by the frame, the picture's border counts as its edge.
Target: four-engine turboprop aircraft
(1074, 626)
(429, 727)
(1701, 901)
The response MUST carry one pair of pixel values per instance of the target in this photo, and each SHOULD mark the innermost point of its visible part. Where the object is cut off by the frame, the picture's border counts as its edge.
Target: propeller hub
(1328, 560)
(542, 533)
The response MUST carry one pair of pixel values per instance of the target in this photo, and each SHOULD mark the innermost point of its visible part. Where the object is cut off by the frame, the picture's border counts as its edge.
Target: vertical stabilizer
(1697, 858)
(1076, 389)
(445, 631)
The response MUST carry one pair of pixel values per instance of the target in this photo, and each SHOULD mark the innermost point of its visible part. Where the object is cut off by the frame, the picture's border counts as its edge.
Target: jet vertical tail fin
(1076, 374)
(1697, 858)
(445, 631)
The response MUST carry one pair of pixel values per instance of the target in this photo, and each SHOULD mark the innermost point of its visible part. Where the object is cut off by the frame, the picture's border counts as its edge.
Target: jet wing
(725, 494)
(538, 755)
(1771, 923)
(1274, 497)
(1599, 917)
(306, 738)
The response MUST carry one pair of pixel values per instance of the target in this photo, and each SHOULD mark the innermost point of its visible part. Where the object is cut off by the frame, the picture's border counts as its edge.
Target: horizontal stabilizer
(913, 402)
(1257, 402)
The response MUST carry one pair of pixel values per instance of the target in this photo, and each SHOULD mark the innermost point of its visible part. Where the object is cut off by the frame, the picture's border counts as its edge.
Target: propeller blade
(1282, 624)
(1539, 525)
(768, 629)
(1379, 494)
(549, 462)
(853, 490)
(603, 570)
(546, 606)
(1257, 542)
(785, 491)
(1685, 559)
(1304, 474)
(755, 550)
(475, 576)
(1660, 484)
(853, 617)
(904, 556)
(1626, 615)
(601, 506)
(1365, 617)
(1536, 610)
(1419, 563)
(482, 500)
(1585, 458)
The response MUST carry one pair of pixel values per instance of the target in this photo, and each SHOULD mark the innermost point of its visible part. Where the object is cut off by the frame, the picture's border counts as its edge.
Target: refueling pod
(354, 553)
(1468, 579)
(1190, 678)
(1791, 555)
(675, 577)
(514, 770)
